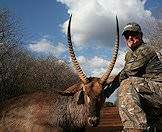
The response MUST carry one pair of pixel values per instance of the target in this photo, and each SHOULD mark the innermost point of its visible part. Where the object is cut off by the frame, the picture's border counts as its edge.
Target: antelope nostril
(93, 121)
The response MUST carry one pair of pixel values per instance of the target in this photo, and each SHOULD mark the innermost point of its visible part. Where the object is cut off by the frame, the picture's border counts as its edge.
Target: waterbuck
(74, 109)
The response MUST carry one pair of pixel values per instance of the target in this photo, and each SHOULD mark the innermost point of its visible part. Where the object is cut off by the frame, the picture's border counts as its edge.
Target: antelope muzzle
(93, 121)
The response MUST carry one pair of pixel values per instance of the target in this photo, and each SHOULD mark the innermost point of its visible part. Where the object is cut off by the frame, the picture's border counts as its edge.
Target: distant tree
(160, 28)
(21, 73)
(154, 34)
(44, 74)
(10, 39)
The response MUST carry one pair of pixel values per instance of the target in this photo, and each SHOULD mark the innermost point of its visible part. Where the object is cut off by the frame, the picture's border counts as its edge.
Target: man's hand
(108, 90)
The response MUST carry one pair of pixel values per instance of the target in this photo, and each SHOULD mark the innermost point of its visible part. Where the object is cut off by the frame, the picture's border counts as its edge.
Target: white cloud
(94, 20)
(97, 66)
(92, 66)
(47, 47)
(119, 62)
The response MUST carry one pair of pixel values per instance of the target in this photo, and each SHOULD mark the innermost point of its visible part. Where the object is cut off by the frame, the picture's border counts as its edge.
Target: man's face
(132, 39)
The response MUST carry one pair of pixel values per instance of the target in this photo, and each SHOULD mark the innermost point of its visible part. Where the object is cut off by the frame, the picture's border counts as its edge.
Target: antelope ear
(81, 99)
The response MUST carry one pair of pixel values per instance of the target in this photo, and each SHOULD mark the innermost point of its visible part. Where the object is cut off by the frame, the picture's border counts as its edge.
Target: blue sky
(40, 17)
(93, 27)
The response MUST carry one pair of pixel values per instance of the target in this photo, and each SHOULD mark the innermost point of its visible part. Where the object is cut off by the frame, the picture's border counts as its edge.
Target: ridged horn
(114, 56)
(75, 63)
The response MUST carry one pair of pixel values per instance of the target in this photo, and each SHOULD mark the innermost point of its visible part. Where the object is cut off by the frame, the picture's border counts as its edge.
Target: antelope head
(91, 89)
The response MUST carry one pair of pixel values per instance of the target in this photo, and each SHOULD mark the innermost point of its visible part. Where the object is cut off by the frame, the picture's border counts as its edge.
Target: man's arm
(112, 86)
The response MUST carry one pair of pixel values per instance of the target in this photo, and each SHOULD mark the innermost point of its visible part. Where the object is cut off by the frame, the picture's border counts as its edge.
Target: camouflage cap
(132, 27)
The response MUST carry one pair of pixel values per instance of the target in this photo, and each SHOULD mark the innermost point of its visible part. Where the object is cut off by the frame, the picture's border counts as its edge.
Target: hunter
(140, 84)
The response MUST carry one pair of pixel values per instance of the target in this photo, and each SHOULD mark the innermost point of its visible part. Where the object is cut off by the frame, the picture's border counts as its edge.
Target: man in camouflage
(140, 81)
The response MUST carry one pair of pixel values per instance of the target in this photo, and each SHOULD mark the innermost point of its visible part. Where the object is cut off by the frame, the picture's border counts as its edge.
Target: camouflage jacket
(142, 62)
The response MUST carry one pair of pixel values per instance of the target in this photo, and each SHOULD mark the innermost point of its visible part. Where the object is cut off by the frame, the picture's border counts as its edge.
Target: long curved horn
(114, 56)
(76, 65)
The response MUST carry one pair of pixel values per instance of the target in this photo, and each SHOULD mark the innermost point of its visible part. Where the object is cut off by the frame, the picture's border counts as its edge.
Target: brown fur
(54, 111)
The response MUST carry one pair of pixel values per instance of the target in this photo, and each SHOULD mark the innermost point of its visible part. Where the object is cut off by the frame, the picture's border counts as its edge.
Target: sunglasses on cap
(130, 33)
